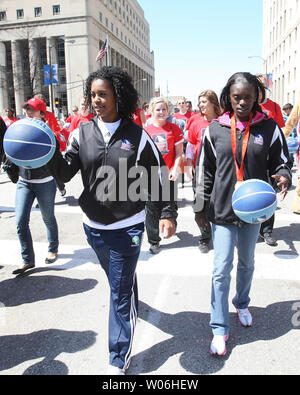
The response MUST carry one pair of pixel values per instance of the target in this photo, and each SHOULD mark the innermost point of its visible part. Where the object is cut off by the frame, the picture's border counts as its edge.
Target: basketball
(254, 201)
(292, 144)
(29, 143)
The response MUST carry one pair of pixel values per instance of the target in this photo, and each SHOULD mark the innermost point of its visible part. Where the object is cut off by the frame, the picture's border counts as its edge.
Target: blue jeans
(224, 239)
(45, 194)
(118, 252)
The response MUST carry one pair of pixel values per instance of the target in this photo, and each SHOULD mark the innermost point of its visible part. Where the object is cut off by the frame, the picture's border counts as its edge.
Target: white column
(3, 82)
(18, 76)
(34, 64)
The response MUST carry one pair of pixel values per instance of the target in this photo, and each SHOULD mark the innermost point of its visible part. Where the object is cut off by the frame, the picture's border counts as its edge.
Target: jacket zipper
(105, 154)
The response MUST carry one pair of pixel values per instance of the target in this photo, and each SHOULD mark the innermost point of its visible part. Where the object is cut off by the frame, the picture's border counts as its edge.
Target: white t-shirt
(108, 129)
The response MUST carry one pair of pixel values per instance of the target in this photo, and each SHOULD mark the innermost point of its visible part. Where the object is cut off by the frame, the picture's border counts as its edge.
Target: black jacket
(267, 154)
(117, 178)
(2, 132)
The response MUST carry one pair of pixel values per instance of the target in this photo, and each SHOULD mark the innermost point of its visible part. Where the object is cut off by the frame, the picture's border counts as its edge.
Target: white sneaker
(244, 317)
(114, 371)
(218, 345)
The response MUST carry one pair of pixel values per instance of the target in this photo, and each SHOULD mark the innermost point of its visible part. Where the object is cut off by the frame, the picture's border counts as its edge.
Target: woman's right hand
(201, 219)
(189, 172)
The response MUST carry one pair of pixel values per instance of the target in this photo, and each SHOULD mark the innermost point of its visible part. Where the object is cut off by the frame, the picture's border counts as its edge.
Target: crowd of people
(225, 142)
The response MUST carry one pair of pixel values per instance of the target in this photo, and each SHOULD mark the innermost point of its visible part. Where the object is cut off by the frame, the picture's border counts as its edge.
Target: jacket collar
(226, 120)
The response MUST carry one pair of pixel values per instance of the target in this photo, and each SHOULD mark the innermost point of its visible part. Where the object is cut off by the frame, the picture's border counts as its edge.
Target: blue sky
(199, 44)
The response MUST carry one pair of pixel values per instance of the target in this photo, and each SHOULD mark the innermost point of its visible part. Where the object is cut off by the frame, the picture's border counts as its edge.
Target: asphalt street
(53, 319)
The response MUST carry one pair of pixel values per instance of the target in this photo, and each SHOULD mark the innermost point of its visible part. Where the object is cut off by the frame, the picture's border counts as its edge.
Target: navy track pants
(118, 252)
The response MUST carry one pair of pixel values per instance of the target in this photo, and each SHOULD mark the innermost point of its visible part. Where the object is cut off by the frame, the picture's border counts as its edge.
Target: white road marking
(183, 262)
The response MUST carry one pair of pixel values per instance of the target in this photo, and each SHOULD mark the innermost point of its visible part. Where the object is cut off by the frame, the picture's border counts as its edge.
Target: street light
(263, 59)
(68, 70)
(51, 76)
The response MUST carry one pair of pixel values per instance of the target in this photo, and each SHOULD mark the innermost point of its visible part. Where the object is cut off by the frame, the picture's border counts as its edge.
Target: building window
(61, 54)
(38, 11)
(56, 9)
(20, 14)
(2, 15)
(100, 16)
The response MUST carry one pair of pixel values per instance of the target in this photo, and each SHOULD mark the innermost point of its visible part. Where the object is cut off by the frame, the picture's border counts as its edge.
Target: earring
(117, 107)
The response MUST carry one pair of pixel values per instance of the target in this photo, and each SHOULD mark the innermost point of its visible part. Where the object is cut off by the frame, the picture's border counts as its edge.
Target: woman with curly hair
(115, 157)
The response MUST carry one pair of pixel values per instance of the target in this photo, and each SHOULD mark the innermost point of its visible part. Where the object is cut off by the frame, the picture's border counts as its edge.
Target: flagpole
(103, 52)
(108, 52)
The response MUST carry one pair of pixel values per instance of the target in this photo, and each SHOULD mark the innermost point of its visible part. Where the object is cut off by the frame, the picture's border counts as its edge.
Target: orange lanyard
(240, 170)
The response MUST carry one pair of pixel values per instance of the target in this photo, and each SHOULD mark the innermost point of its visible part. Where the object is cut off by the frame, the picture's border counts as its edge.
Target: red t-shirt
(185, 116)
(9, 121)
(273, 110)
(195, 135)
(137, 117)
(78, 119)
(70, 118)
(52, 121)
(166, 138)
(193, 118)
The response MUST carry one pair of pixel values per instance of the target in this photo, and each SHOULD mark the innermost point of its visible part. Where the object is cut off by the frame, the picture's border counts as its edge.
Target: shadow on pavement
(186, 239)
(46, 344)
(30, 289)
(69, 201)
(185, 203)
(192, 336)
(289, 234)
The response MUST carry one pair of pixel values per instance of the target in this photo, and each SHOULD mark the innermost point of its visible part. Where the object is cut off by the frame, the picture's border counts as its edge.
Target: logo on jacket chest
(259, 139)
(126, 145)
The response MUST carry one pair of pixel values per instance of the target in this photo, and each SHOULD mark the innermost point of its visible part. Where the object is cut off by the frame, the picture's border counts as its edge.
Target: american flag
(269, 81)
(102, 52)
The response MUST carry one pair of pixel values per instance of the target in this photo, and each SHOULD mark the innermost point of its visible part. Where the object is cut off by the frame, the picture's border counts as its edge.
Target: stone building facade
(281, 48)
(69, 34)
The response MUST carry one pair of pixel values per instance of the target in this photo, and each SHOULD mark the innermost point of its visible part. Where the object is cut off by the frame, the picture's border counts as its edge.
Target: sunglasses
(182, 102)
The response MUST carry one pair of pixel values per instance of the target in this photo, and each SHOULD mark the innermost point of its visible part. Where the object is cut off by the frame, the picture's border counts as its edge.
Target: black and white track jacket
(267, 154)
(113, 175)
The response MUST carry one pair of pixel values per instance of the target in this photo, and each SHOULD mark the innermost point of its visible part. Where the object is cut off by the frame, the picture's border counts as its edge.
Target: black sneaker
(154, 248)
(204, 246)
(269, 239)
(62, 192)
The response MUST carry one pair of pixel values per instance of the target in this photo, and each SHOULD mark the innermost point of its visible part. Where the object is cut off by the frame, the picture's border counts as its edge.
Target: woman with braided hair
(242, 144)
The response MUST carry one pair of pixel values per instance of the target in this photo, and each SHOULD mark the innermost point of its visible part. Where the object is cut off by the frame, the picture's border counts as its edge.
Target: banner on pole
(53, 75)
(46, 75)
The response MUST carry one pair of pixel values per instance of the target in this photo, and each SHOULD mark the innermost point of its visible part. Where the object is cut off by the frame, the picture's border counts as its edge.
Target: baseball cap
(36, 104)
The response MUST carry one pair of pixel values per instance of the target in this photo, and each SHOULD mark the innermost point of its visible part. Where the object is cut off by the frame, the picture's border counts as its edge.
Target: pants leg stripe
(133, 317)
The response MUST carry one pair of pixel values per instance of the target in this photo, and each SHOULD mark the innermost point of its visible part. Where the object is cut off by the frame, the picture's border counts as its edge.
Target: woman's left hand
(173, 175)
(282, 182)
(167, 227)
